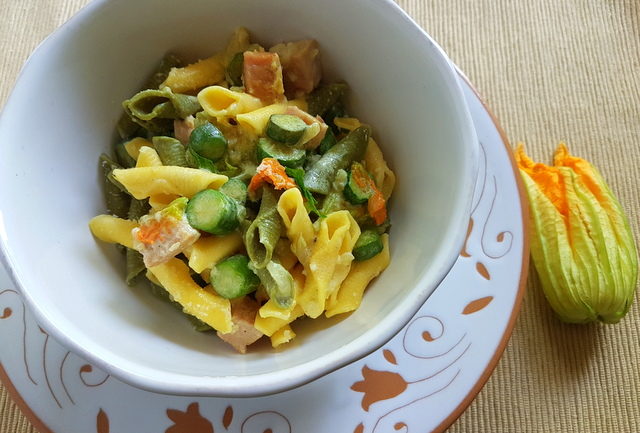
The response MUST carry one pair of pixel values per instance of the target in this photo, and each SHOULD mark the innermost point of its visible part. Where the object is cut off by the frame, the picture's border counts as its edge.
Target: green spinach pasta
(243, 193)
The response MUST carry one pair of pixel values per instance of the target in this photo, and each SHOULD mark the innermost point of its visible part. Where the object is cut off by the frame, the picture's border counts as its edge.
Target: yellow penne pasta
(350, 293)
(195, 76)
(375, 164)
(207, 251)
(255, 121)
(330, 260)
(112, 229)
(207, 71)
(348, 123)
(160, 201)
(220, 102)
(143, 182)
(204, 304)
(148, 157)
(282, 336)
(297, 223)
(133, 146)
(270, 325)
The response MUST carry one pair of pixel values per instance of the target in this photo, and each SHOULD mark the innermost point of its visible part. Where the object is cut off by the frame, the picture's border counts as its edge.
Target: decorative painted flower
(189, 422)
(582, 245)
(378, 385)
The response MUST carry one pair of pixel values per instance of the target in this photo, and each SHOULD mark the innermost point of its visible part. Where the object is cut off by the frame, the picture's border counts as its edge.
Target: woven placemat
(550, 70)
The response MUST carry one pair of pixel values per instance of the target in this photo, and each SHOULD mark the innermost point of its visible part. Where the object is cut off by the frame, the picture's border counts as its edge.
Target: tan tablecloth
(550, 70)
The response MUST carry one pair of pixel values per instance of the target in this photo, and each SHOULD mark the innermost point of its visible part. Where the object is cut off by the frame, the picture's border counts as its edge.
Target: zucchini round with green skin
(285, 128)
(231, 278)
(368, 245)
(236, 189)
(207, 141)
(213, 212)
(357, 189)
(286, 155)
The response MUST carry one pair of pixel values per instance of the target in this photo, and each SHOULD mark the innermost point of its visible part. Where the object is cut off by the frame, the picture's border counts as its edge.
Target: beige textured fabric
(550, 70)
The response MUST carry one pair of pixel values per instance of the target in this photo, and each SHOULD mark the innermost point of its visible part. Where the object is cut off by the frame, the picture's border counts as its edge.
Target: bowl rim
(292, 377)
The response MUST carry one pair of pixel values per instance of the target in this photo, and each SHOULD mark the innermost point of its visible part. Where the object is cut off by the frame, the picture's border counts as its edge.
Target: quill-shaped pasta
(134, 260)
(143, 182)
(330, 260)
(148, 157)
(278, 283)
(271, 307)
(384, 178)
(297, 223)
(219, 102)
(263, 233)
(160, 201)
(374, 161)
(207, 71)
(282, 336)
(207, 251)
(155, 110)
(350, 293)
(134, 145)
(170, 151)
(271, 317)
(112, 229)
(116, 199)
(204, 304)
(284, 255)
(255, 121)
(269, 325)
(128, 128)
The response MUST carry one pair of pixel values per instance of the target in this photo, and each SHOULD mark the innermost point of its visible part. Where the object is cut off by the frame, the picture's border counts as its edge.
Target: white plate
(422, 380)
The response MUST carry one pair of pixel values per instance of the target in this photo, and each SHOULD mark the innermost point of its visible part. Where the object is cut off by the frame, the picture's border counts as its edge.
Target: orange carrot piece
(377, 205)
(150, 233)
(271, 171)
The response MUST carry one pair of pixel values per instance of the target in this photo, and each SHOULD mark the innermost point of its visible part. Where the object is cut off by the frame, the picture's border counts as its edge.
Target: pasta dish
(244, 193)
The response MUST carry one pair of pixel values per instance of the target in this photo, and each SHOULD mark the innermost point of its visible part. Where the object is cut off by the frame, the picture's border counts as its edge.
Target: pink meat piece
(262, 76)
(243, 314)
(301, 66)
(182, 129)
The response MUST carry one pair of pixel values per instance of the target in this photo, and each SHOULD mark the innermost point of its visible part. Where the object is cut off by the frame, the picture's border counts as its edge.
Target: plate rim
(524, 273)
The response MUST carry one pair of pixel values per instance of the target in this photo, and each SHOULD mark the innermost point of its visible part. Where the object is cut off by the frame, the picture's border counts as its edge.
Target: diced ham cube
(243, 314)
(301, 66)
(182, 129)
(262, 76)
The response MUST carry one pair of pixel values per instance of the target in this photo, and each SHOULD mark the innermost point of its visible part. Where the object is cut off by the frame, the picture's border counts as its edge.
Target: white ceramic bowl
(62, 114)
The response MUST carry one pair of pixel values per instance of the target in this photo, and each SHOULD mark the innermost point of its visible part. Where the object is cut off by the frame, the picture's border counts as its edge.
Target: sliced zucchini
(357, 190)
(368, 245)
(213, 212)
(207, 141)
(236, 189)
(286, 155)
(285, 128)
(231, 278)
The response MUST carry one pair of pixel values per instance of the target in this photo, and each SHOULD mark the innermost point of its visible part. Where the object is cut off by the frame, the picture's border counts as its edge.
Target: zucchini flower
(581, 245)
